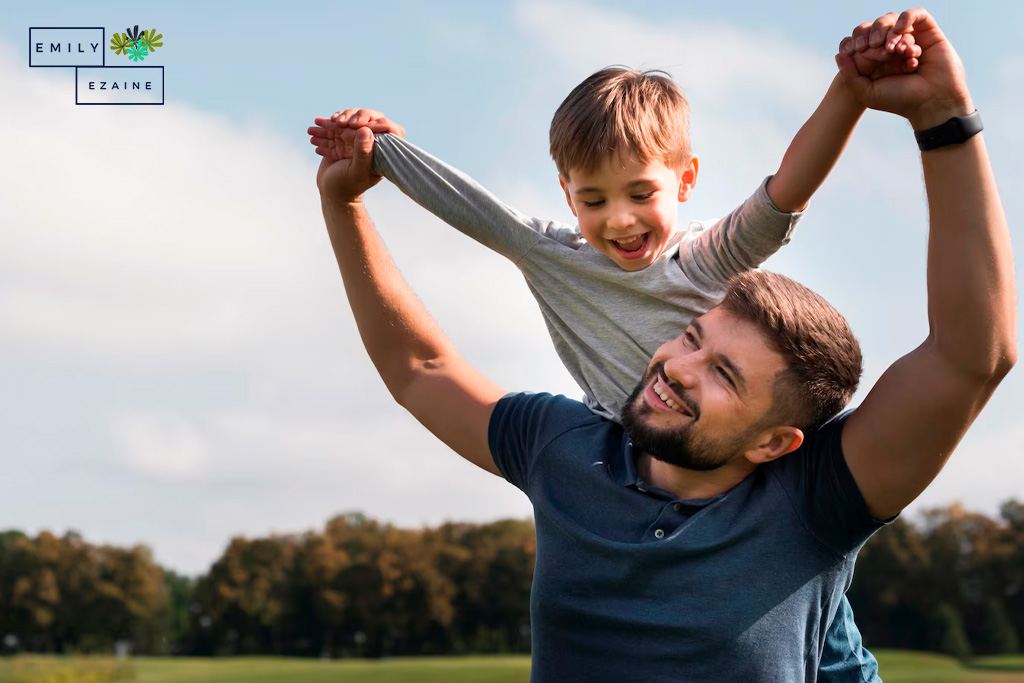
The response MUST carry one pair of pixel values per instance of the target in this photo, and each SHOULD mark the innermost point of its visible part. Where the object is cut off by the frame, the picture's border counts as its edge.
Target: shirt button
(676, 506)
(659, 533)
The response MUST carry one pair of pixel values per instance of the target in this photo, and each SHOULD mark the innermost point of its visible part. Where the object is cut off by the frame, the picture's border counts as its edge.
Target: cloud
(715, 60)
(167, 271)
(159, 445)
(174, 322)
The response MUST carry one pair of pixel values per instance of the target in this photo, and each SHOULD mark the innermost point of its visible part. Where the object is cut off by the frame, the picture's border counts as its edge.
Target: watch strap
(953, 132)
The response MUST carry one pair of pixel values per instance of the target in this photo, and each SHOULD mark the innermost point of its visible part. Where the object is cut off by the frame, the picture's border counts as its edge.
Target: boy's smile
(627, 208)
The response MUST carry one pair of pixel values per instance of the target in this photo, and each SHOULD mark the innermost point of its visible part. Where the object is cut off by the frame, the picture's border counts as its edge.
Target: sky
(178, 363)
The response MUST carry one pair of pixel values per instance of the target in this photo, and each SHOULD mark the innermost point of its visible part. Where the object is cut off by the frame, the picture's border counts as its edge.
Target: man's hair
(822, 356)
(619, 111)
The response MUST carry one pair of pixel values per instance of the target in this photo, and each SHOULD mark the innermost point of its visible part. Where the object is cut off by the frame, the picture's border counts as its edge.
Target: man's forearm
(815, 149)
(971, 291)
(397, 331)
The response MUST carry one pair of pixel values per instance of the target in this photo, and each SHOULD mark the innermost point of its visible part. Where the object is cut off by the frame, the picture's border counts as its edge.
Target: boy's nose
(621, 220)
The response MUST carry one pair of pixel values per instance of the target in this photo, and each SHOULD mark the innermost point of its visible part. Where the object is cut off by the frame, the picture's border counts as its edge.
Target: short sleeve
(523, 424)
(823, 491)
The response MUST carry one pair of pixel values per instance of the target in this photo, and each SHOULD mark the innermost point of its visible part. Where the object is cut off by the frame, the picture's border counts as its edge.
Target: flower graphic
(151, 40)
(137, 52)
(135, 44)
(133, 33)
(120, 43)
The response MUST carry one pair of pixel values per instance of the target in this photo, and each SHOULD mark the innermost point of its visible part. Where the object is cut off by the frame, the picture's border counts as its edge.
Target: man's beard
(679, 446)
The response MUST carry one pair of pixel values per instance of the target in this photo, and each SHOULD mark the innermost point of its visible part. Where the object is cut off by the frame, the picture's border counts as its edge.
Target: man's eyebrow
(723, 359)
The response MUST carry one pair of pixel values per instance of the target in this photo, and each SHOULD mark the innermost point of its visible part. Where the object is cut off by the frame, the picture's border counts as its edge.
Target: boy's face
(627, 208)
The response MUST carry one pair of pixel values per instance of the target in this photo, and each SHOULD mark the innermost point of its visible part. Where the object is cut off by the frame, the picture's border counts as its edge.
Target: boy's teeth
(631, 243)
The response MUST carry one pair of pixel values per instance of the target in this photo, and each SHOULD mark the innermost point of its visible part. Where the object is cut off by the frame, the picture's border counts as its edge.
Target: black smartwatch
(953, 132)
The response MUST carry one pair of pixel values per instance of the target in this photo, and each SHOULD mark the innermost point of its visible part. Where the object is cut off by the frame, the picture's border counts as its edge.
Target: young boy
(626, 280)
(621, 143)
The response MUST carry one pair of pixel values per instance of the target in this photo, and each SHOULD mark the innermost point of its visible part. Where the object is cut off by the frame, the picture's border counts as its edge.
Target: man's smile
(668, 398)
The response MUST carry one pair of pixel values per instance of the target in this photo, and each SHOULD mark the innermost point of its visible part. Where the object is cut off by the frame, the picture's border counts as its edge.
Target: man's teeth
(663, 395)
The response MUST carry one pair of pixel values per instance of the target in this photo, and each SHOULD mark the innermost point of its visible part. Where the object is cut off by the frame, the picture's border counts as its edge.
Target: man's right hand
(345, 180)
(934, 93)
(345, 141)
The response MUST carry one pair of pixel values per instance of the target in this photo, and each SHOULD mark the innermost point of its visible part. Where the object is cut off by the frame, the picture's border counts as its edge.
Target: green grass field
(896, 667)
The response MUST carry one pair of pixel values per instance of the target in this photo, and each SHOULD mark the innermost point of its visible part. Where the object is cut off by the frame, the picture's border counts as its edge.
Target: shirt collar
(622, 469)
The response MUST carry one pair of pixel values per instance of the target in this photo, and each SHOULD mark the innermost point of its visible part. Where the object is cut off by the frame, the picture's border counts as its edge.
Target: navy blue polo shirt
(632, 584)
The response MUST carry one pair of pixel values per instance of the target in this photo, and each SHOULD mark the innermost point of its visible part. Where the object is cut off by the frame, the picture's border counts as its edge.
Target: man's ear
(568, 199)
(689, 179)
(774, 443)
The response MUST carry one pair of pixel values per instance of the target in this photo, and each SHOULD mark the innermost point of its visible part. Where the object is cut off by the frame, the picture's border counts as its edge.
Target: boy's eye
(591, 205)
(643, 197)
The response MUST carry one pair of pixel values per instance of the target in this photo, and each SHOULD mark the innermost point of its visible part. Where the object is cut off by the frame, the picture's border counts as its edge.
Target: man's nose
(683, 370)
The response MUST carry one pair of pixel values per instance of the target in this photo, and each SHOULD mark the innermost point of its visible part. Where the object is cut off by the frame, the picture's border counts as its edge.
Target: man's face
(627, 209)
(706, 395)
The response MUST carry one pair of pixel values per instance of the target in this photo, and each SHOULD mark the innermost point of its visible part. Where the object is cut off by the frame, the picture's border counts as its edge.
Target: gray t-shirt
(605, 322)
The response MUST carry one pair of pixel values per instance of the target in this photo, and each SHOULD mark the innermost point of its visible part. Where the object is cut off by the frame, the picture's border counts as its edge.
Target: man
(713, 539)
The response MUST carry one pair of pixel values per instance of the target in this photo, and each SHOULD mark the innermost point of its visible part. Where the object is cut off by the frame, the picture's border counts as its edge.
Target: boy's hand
(879, 51)
(377, 122)
(333, 137)
(932, 94)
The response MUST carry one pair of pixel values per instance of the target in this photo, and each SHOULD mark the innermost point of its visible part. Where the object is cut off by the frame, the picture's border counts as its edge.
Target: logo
(95, 81)
(137, 46)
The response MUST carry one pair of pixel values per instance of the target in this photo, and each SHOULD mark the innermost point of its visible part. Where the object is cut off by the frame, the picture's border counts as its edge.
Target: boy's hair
(823, 357)
(619, 111)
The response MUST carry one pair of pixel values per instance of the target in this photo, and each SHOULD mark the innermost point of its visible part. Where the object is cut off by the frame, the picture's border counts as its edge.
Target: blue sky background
(177, 360)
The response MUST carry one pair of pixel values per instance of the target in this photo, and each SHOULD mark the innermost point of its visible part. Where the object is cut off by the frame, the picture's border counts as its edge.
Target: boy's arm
(819, 142)
(417, 362)
(443, 190)
(756, 229)
(815, 149)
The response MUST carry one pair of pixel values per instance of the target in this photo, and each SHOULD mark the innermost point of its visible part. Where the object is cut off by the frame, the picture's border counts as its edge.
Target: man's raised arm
(414, 357)
(896, 442)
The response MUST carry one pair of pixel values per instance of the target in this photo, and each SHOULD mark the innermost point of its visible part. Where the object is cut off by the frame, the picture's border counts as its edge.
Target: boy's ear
(774, 443)
(689, 179)
(568, 199)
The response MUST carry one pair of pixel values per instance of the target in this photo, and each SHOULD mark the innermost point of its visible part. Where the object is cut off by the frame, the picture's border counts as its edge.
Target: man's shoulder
(821, 445)
(554, 411)
(526, 425)
(822, 489)
(535, 420)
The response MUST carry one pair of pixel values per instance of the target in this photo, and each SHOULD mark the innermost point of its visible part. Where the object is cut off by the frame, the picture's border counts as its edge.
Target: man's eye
(725, 375)
(643, 197)
(690, 338)
(591, 205)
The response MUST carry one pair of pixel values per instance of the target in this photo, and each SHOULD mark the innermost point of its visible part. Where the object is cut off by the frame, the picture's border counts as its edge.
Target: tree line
(950, 582)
